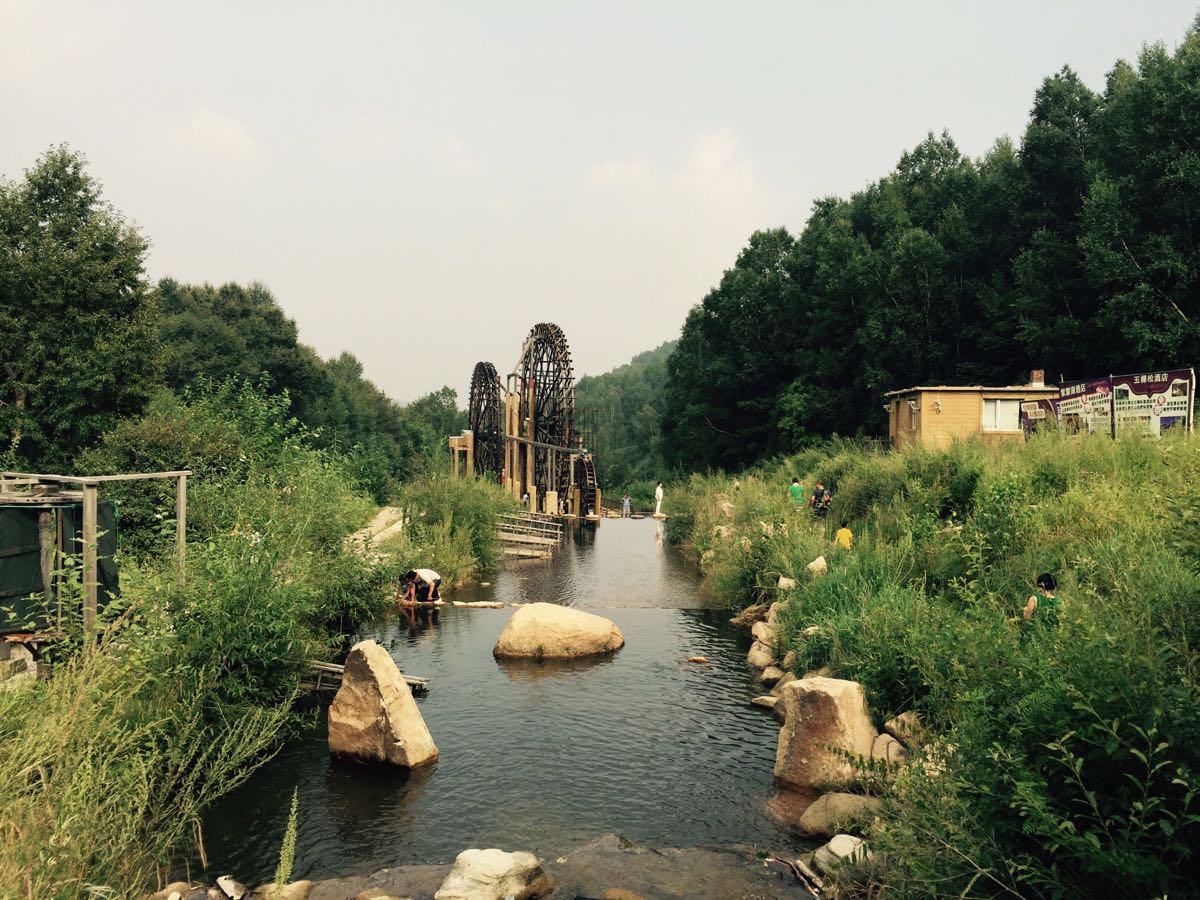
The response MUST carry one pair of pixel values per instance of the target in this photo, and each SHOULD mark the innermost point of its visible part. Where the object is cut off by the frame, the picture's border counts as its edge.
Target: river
(537, 756)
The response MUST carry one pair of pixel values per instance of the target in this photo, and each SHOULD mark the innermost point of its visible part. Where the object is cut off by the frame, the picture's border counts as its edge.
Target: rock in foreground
(494, 875)
(822, 715)
(374, 717)
(832, 813)
(550, 631)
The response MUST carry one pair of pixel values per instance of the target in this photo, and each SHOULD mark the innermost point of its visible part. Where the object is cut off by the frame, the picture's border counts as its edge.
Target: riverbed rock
(765, 632)
(887, 749)
(817, 567)
(232, 888)
(835, 812)
(373, 717)
(760, 655)
(766, 701)
(822, 714)
(770, 676)
(749, 616)
(842, 851)
(907, 728)
(494, 875)
(550, 631)
(788, 678)
(296, 890)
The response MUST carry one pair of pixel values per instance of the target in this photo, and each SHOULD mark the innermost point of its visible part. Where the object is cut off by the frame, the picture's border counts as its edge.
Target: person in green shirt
(796, 492)
(1044, 604)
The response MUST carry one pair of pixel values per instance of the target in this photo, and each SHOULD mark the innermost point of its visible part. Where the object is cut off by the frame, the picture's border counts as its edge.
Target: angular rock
(766, 702)
(773, 614)
(788, 678)
(296, 890)
(810, 632)
(182, 888)
(785, 583)
(842, 851)
(888, 750)
(836, 812)
(373, 717)
(817, 567)
(726, 508)
(747, 617)
(235, 890)
(907, 728)
(550, 631)
(765, 632)
(760, 655)
(789, 660)
(822, 714)
(770, 676)
(823, 672)
(494, 875)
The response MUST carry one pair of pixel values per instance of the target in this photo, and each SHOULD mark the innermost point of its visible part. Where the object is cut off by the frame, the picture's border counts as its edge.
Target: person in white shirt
(658, 495)
(420, 586)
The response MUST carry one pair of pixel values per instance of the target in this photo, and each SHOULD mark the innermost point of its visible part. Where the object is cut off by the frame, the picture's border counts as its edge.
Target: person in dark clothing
(820, 500)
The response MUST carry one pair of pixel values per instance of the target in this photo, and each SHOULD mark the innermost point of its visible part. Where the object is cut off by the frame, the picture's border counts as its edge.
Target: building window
(1001, 415)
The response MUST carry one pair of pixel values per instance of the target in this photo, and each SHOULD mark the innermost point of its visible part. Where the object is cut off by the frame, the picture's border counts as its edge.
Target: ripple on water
(537, 756)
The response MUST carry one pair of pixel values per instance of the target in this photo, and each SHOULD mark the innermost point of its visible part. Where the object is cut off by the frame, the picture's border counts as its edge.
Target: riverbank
(1073, 744)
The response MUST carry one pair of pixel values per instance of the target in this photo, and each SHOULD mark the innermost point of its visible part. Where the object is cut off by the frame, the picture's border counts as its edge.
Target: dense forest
(1076, 250)
(85, 341)
(620, 413)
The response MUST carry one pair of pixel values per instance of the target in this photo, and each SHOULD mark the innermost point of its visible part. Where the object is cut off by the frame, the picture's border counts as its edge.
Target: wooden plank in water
(509, 537)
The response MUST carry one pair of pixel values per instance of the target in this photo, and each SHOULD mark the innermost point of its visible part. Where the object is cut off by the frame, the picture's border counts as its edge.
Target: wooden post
(91, 574)
(469, 443)
(180, 528)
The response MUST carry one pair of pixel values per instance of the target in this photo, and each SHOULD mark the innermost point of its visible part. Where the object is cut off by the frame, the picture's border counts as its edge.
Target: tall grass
(1076, 747)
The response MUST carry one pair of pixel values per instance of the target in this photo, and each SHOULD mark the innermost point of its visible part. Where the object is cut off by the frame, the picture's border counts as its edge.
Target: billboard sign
(1148, 403)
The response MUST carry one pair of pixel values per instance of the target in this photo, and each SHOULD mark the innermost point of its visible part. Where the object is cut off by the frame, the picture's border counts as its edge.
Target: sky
(420, 184)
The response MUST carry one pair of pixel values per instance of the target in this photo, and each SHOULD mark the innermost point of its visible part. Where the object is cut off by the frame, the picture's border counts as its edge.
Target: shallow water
(535, 756)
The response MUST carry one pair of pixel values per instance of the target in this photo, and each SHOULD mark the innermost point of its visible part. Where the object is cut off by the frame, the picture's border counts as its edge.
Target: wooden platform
(328, 677)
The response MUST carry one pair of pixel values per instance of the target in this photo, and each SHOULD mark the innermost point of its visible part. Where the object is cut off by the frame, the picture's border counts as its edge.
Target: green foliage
(1075, 252)
(1063, 758)
(621, 413)
(78, 344)
(287, 850)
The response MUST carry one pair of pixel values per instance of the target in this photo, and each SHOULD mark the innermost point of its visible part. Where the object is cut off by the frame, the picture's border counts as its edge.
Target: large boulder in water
(821, 715)
(550, 631)
(374, 717)
(494, 875)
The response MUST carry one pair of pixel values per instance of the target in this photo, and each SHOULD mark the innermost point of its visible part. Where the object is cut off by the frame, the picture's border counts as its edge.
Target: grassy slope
(1075, 747)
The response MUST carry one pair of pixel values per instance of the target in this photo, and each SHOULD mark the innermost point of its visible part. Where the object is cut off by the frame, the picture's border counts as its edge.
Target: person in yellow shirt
(844, 537)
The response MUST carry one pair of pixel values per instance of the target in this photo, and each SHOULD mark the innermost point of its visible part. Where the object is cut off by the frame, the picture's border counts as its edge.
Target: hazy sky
(456, 172)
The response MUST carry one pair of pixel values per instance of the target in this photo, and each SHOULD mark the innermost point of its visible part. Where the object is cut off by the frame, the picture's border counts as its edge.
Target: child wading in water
(1044, 604)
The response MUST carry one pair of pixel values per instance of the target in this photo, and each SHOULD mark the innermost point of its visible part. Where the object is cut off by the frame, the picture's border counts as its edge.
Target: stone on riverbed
(373, 717)
(749, 616)
(842, 852)
(494, 875)
(766, 702)
(765, 632)
(788, 678)
(831, 813)
(550, 631)
(760, 655)
(770, 676)
(822, 715)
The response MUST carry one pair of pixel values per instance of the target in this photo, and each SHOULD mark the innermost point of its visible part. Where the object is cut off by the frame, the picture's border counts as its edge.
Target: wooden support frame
(39, 488)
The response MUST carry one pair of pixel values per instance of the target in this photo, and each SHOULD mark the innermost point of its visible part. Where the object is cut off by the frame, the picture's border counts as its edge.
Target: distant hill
(620, 413)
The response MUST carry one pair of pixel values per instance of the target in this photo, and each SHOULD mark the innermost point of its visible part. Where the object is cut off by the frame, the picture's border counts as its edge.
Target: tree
(78, 341)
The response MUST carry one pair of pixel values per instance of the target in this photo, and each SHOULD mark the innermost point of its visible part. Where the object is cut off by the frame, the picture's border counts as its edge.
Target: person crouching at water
(1044, 604)
(420, 586)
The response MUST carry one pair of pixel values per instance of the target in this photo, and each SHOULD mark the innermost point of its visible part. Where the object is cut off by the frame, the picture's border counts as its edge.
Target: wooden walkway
(328, 677)
(529, 535)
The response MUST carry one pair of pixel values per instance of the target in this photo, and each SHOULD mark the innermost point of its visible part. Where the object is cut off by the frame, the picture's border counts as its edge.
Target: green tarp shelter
(23, 606)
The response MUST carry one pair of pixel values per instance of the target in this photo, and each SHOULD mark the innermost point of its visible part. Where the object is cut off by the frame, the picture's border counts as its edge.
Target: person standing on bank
(420, 586)
(626, 505)
(658, 495)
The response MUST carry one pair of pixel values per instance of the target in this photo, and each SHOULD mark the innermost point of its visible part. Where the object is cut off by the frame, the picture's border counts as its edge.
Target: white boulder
(550, 631)
(822, 715)
(373, 717)
(817, 567)
(760, 655)
(843, 850)
(495, 875)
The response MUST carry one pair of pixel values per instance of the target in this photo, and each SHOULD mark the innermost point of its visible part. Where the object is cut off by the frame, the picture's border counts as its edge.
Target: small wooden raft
(328, 677)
